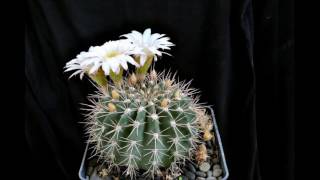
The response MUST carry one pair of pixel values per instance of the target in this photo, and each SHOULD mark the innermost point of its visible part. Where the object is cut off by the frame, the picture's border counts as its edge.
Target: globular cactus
(147, 124)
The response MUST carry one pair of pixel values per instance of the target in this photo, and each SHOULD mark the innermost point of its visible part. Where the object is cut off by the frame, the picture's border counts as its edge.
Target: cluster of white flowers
(114, 55)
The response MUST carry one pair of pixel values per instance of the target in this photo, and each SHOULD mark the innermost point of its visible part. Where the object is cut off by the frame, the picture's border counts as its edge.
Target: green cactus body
(141, 133)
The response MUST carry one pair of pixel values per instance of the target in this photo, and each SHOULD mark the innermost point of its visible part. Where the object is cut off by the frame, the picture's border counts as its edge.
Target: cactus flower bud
(114, 94)
(177, 95)
(141, 77)
(132, 79)
(167, 83)
(112, 107)
(164, 103)
(207, 135)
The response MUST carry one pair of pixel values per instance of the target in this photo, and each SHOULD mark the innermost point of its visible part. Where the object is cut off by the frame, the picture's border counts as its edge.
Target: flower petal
(95, 67)
(143, 59)
(132, 61)
(106, 68)
(146, 36)
(123, 63)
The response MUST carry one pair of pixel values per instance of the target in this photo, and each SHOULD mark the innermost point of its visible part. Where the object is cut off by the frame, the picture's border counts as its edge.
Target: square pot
(223, 163)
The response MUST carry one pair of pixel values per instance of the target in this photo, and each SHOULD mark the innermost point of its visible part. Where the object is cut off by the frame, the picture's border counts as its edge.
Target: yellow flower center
(111, 54)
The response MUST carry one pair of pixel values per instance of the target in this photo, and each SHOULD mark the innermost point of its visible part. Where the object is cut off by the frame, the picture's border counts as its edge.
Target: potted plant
(144, 125)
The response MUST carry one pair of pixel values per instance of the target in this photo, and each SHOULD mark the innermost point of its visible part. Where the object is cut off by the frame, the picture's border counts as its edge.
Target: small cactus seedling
(145, 125)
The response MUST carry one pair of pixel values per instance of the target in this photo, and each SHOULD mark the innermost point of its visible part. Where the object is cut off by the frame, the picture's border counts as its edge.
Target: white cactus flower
(111, 56)
(149, 43)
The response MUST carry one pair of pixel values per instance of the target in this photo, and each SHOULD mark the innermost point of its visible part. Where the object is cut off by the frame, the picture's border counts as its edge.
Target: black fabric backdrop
(239, 53)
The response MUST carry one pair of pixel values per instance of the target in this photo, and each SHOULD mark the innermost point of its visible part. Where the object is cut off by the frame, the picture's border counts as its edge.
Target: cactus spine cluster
(145, 125)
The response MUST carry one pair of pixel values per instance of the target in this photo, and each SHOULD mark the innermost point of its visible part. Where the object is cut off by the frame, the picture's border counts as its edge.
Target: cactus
(148, 124)
(147, 121)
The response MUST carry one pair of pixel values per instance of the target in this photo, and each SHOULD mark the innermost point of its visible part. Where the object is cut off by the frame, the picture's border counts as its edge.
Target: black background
(240, 53)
